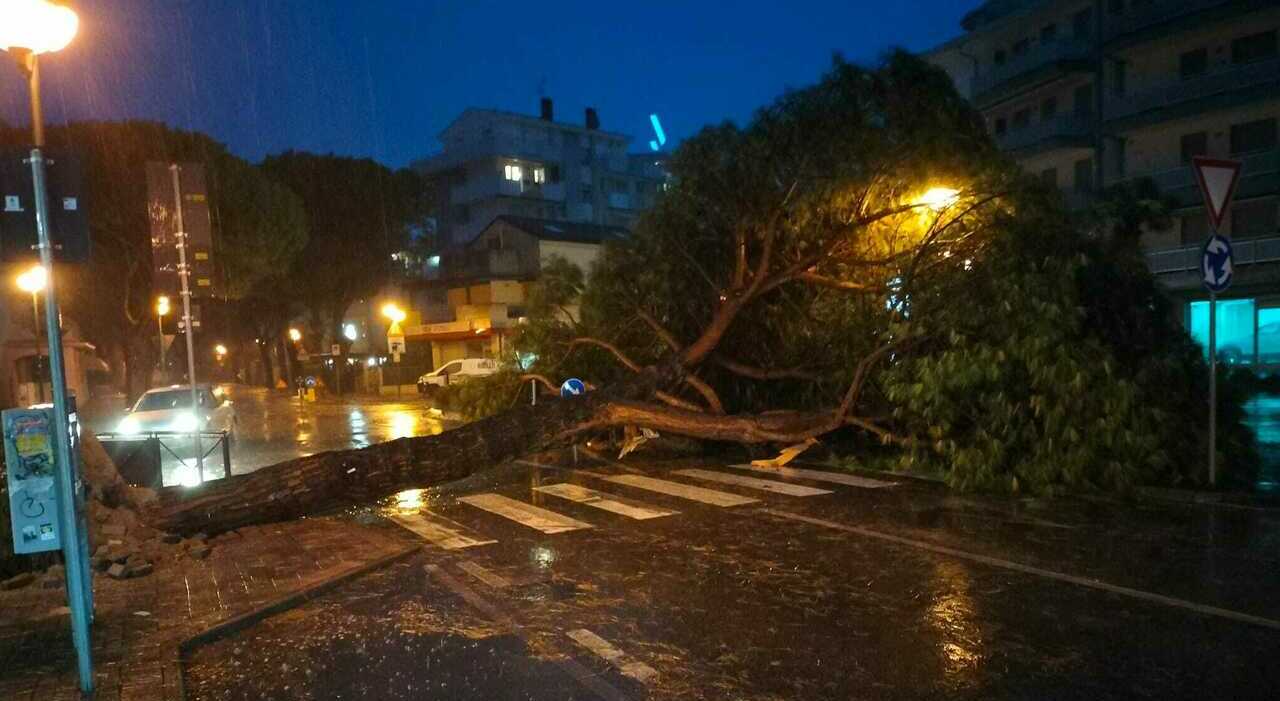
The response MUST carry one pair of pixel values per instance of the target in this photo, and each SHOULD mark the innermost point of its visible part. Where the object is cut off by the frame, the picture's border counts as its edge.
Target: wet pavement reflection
(745, 602)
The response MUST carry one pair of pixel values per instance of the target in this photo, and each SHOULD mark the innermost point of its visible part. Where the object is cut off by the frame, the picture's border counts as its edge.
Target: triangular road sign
(1217, 179)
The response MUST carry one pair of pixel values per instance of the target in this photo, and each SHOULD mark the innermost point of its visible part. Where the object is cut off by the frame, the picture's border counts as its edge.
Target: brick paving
(140, 622)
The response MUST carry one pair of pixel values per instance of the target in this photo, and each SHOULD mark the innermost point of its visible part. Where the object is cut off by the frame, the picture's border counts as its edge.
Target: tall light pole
(29, 28)
(162, 309)
(295, 336)
(33, 280)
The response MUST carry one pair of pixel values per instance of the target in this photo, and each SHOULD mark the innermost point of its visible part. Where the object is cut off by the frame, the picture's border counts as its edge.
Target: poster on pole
(161, 212)
(68, 216)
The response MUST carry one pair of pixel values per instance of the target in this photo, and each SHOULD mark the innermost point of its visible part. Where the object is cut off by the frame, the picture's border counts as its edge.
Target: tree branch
(756, 373)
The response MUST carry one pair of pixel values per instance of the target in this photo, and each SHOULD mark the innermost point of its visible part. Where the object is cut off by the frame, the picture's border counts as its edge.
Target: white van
(456, 371)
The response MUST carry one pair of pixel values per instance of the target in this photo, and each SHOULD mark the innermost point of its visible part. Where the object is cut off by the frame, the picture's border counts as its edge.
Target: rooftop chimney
(547, 113)
(593, 119)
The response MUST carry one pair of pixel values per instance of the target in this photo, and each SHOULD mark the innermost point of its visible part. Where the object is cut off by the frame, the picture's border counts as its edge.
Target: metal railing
(1037, 56)
(1244, 252)
(1063, 126)
(1259, 174)
(1173, 92)
(164, 447)
(1153, 13)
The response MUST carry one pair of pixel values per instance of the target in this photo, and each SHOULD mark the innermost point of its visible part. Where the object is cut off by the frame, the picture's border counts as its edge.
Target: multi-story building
(1090, 93)
(495, 163)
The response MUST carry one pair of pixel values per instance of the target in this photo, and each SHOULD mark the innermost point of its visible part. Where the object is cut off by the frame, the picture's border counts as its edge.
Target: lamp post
(33, 280)
(29, 28)
(295, 337)
(162, 310)
(395, 314)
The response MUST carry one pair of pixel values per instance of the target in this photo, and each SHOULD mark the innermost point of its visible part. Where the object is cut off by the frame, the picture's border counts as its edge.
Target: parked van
(456, 371)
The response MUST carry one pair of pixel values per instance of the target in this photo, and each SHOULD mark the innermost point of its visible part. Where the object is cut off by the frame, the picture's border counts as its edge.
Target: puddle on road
(392, 635)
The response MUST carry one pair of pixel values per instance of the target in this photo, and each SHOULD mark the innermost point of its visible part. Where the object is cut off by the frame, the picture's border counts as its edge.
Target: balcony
(1041, 63)
(1259, 175)
(483, 188)
(1063, 130)
(1163, 99)
(1187, 258)
(482, 265)
(1154, 14)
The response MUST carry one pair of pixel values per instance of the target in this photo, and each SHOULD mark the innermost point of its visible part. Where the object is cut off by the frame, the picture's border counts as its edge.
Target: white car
(168, 409)
(456, 371)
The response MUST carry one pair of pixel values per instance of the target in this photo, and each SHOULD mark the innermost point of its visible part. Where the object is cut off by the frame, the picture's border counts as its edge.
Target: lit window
(514, 172)
(539, 175)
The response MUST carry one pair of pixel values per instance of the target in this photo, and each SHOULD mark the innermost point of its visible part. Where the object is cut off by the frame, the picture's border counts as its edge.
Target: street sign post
(1217, 180)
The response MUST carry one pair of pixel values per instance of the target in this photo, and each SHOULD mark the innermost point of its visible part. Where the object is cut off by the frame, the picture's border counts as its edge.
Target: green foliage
(479, 397)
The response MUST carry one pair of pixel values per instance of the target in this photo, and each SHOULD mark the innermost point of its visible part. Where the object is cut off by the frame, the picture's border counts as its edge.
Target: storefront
(1248, 329)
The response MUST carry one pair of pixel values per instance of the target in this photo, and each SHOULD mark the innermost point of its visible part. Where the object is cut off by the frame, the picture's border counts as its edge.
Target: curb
(285, 603)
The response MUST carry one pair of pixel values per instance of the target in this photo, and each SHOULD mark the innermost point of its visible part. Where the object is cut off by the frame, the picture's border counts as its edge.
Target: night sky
(381, 78)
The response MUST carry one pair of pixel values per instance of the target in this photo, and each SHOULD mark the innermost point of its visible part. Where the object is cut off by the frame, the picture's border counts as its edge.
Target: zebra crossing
(450, 535)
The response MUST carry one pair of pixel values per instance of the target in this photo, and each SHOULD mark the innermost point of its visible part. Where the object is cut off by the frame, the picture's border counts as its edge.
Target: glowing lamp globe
(38, 26)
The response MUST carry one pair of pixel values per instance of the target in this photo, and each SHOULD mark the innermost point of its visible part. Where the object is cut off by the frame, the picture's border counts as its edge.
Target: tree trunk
(332, 480)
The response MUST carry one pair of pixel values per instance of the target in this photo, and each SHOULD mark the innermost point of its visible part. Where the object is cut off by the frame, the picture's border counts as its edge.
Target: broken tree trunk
(332, 480)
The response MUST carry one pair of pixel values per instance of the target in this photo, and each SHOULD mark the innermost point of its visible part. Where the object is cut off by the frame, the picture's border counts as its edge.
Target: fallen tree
(821, 209)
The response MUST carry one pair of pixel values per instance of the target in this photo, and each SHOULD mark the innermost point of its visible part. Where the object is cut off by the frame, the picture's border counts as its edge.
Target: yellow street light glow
(394, 313)
(295, 335)
(220, 349)
(162, 305)
(939, 198)
(39, 26)
(33, 279)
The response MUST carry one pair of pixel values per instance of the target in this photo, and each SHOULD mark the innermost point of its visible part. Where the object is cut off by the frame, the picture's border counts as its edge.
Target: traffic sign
(572, 387)
(1217, 179)
(1215, 263)
(335, 350)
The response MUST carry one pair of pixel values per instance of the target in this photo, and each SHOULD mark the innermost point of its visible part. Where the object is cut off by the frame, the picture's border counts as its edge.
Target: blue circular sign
(1215, 263)
(572, 387)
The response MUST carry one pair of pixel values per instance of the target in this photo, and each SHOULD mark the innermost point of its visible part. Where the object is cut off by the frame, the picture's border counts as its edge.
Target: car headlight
(129, 426)
(185, 423)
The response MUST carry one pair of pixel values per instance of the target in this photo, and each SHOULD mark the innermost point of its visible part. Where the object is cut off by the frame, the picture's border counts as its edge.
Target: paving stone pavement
(140, 622)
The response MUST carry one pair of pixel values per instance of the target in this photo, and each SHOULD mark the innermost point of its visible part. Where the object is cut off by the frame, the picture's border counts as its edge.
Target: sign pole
(1213, 388)
(67, 483)
(184, 276)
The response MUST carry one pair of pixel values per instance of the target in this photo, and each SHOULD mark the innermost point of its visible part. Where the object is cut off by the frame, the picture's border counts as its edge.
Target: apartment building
(495, 163)
(1090, 93)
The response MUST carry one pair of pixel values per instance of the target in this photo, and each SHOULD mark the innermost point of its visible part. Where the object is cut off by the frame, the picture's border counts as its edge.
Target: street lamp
(220, 351)
(162, 310)
(295, 335)
(939, 198)
(29, 28)
(33, 280)
(393, 312)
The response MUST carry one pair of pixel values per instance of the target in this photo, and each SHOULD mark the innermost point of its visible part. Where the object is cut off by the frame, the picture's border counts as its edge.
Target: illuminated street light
(37, 26)
(939, 198)
(220, 350)
(394, 313)
(350, 332)
(162, 306)
(34, 279)
(295, 335)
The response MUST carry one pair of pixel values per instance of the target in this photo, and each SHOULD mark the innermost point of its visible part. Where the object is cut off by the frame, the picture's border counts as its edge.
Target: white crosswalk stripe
(480, 572)
(524, 514)
(432, 529)
(676, 489)
(820, 476)
(601, 500)
(635, 669)
(794, 490)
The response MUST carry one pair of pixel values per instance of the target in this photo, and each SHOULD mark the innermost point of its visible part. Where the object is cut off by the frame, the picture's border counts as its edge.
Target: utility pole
(184, 274)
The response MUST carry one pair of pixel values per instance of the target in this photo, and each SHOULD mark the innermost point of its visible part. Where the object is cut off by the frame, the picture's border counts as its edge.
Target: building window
(1022, 118)
(998, 57)
(1021, 46)
(1194, 228)
(1254, 219)
(1252, 137)
(1119, 69)
(1002, 126)
(1236, 319)
(1196, 144)
(513, 172)
(1048, 109)
(539, 175)
(1082, 23)
(1255, 47)
(1049, 176)
(1193, 63)
(1083, 175)
(1084, 100)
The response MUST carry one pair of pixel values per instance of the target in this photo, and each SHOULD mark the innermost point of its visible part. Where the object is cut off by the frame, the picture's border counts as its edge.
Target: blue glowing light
(657, 129)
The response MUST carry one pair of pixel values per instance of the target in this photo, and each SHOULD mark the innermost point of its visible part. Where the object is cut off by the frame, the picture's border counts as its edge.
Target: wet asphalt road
(902, 592)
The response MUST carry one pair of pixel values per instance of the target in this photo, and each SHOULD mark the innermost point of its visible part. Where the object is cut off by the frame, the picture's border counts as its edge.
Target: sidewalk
(140, 622)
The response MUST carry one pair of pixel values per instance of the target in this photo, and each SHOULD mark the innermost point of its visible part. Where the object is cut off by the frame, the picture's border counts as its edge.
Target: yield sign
(1217, 179)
